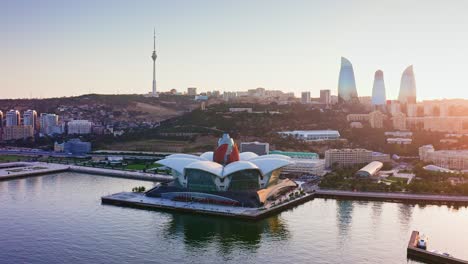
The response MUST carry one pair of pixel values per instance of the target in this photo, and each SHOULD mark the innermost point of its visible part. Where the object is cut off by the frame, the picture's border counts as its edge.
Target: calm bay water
(59, 218)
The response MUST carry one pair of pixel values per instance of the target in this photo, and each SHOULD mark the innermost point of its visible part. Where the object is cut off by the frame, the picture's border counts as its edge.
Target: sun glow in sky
(63, 48)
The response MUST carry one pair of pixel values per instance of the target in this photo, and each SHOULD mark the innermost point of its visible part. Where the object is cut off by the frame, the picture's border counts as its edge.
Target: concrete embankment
(15, 170)
(140, 200)
(122, 174)
(392, 197)
(413, 252)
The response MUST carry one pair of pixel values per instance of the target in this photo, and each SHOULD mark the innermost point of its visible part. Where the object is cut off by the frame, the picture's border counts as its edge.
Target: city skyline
(55, 49)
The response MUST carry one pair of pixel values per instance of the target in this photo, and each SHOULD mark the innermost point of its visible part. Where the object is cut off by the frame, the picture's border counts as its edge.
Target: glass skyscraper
(407, 87)
(378, 90)
(346, 83)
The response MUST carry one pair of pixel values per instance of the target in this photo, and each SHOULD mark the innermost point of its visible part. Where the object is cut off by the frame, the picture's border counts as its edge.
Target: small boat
(422, 243)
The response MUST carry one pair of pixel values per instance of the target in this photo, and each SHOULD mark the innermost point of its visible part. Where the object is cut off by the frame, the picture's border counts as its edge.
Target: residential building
(305, 97)
(399, 121)
(49, 123)
(12, 118)
(30, 119)
(403, 134)
(79, 127)
(325, 97)
(256, 147)
(192, 91)
(376, 119)
(1, 119)
(17, 132)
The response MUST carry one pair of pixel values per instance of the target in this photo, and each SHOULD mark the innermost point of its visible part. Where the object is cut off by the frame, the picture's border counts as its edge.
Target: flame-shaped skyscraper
(346, 84)
(407, 87)
(378, 90)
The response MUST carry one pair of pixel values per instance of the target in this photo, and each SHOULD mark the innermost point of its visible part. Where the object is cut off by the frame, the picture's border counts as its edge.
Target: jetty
(413, 252)
(140, 200)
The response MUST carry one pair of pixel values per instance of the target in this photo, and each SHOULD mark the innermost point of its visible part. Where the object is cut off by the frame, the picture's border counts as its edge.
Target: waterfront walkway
(399, 197)
(13, 170)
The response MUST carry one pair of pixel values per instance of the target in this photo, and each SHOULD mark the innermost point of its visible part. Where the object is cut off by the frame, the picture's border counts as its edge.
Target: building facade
(351, 157)
(312, 135)
(346, 83)
(407, 93)
(12, 118)
(17, 132)
(448, 159)
(378, 90)
(325, 97)
(30, 119)
(79, 127)
(258, 148)
(48, 123)
(305, 97)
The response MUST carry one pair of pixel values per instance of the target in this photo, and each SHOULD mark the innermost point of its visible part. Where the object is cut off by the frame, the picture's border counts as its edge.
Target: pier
(413, 252)
(140, 200)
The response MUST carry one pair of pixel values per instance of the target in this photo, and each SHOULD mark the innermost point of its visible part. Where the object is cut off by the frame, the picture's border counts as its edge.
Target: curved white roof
(268, 165)
(208, 166)
(238, 166)
(177, 164)
(188, 156)
(207, 155)
(269, 156)
(247, 155)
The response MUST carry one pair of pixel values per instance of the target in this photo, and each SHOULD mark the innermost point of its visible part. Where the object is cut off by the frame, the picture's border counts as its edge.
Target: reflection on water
(344, 215)
(405, 212)
(201, 231)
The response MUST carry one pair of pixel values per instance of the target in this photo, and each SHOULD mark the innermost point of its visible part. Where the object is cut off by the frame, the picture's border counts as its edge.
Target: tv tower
(154, 56)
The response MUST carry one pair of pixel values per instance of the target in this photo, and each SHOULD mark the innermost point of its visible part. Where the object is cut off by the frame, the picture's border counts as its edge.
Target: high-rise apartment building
(1, 119)
(12, 118)
(325, 97)
(17, 132)
(30, 118)
(305, 97)
(192, 91)
(48, 123)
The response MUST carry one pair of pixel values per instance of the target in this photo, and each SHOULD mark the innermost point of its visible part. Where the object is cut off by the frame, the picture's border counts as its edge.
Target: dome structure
(224, 169)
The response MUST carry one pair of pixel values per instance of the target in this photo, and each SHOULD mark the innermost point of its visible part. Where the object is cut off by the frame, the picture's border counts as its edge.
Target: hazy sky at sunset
(62, 48)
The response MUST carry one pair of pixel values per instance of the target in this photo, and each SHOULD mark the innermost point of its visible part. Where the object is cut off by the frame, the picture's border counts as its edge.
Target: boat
(422, 243)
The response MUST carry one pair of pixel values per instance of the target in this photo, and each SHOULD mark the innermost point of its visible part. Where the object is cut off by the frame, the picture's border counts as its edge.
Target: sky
(66, 48)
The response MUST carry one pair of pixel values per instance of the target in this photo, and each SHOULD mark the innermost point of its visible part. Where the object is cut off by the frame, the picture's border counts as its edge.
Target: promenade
(391, 197)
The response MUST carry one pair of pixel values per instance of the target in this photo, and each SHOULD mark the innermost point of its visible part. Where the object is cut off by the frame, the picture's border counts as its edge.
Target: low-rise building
(256, 147)
(448, 159)
(312, 135)
(79, 127)
(240, 109)
(370, 169)
(77, 147)
(399, 141)
(351, 157)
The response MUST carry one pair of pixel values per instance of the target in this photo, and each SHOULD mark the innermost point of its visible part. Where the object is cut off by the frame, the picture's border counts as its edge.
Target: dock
(426, 256)
(392, 197)
(140, 200)
(17, 170)
(134, 175)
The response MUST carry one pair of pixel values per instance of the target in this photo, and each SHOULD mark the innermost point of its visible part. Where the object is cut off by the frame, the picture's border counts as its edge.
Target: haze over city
(53, 48)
